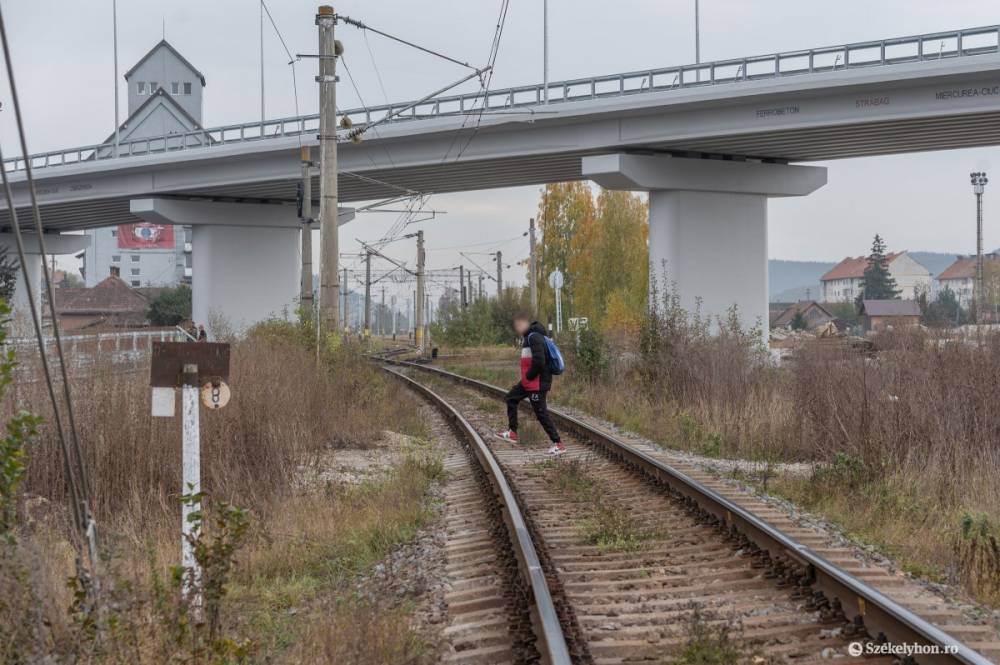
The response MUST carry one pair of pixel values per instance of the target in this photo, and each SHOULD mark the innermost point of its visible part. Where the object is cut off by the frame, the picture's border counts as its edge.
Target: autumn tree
(609, 262)
(564, 209)
(600, 246)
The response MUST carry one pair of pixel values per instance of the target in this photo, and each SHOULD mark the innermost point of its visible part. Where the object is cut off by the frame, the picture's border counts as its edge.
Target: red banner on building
(145, 236)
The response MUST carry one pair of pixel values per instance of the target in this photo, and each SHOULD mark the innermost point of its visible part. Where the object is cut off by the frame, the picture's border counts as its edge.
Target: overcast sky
(62, 51)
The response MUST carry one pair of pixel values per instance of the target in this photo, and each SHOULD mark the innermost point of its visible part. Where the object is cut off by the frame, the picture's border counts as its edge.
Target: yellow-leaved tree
(565, 209)
(610, 263)
(601, 249)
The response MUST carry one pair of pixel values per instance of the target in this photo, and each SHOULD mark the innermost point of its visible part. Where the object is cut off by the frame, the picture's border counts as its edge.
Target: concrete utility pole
(461, 285)
(979, 181)
(427, 320)
(532, 267)
(499, 274)
(480, 285)
(368, 294)
(468, 276)
(329, 297)
(420, 314)
(306, 291)
(381, 315)
(347, 292)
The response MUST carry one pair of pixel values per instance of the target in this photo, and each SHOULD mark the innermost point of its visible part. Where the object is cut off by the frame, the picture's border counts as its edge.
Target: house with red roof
(112, 304)
(960, 277)
(843, 282)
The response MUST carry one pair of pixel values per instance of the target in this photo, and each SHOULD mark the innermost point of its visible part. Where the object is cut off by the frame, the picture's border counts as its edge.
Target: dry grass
(359, 633)
(303, 545)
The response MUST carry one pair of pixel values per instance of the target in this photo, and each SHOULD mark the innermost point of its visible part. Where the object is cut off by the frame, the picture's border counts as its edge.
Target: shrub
(170, 307)
(590, 355)
(483, 322)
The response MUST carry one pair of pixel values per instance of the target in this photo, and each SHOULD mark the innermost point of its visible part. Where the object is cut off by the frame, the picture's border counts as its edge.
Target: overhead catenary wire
(491, 64)
(484, 85)
(73, 463)
(358, 24)
(295, 83)
(378, 74)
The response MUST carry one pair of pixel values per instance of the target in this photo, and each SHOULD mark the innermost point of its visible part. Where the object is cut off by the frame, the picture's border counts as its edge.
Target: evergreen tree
(878, 284)
(799, 321)
(9, 267)
(170, 307)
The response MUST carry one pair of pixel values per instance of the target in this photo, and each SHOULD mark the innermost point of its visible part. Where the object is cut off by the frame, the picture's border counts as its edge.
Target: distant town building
(843, 282)
(165, 94)
(960, 277)
(814, 313)
(883, 314)
(110, 304)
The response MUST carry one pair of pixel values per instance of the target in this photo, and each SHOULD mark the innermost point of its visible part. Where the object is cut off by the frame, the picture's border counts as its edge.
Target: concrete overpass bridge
(710, 142)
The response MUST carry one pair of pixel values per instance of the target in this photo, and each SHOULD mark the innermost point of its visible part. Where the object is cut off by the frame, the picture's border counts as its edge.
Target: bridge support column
(711, 247)
(246, 258)
(243, 275)
(707, 225)
(33, 262)
(54, 244)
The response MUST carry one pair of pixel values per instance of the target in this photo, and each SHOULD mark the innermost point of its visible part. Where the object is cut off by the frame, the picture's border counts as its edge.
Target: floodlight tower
(979, 181)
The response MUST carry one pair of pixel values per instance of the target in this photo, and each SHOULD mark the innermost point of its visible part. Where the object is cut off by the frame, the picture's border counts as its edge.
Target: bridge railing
(885, 52)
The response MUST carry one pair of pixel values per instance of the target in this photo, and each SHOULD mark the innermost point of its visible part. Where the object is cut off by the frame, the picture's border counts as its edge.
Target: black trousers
(537, 400)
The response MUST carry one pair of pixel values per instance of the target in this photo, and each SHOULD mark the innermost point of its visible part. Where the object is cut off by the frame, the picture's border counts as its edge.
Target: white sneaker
(557, 449)
(508, 435)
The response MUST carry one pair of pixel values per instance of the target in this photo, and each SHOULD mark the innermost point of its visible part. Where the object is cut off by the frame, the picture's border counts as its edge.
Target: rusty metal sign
(169, 358)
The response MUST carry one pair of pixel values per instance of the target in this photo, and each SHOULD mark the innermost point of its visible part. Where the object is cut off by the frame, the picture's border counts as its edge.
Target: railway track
(636, 562)
(499, 607)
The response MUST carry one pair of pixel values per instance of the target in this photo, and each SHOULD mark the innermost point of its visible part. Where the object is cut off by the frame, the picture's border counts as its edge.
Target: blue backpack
(553, 357)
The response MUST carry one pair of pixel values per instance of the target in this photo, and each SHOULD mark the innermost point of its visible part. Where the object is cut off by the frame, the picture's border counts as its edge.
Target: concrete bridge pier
(245, 261)
(707, 225)
(54, 244)
(246, 258)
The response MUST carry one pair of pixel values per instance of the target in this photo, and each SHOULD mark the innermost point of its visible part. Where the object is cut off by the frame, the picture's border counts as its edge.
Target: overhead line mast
(329, 50)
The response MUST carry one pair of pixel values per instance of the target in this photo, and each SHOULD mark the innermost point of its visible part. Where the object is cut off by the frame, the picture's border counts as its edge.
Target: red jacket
(535, 374)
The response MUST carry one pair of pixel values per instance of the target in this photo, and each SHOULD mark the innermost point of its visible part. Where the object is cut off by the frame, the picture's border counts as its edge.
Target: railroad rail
(550, 639)
(828, 587)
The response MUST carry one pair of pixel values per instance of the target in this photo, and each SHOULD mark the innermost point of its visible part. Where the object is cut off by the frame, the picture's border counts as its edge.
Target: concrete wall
(164, 68)
(154, 267)
(711, 246)
(841, 290)
(158, 119)
(244, 275)
(911, 277)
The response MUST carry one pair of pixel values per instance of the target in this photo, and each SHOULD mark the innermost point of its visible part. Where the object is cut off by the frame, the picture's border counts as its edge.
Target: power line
(358, 24)
(73, 464)
(291, 61)
(378, 74)
(500, 243)
(494, 51)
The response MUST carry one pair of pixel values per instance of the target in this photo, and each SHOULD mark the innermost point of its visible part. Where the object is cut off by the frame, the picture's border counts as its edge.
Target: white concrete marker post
(191, 476)
(201, 370)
